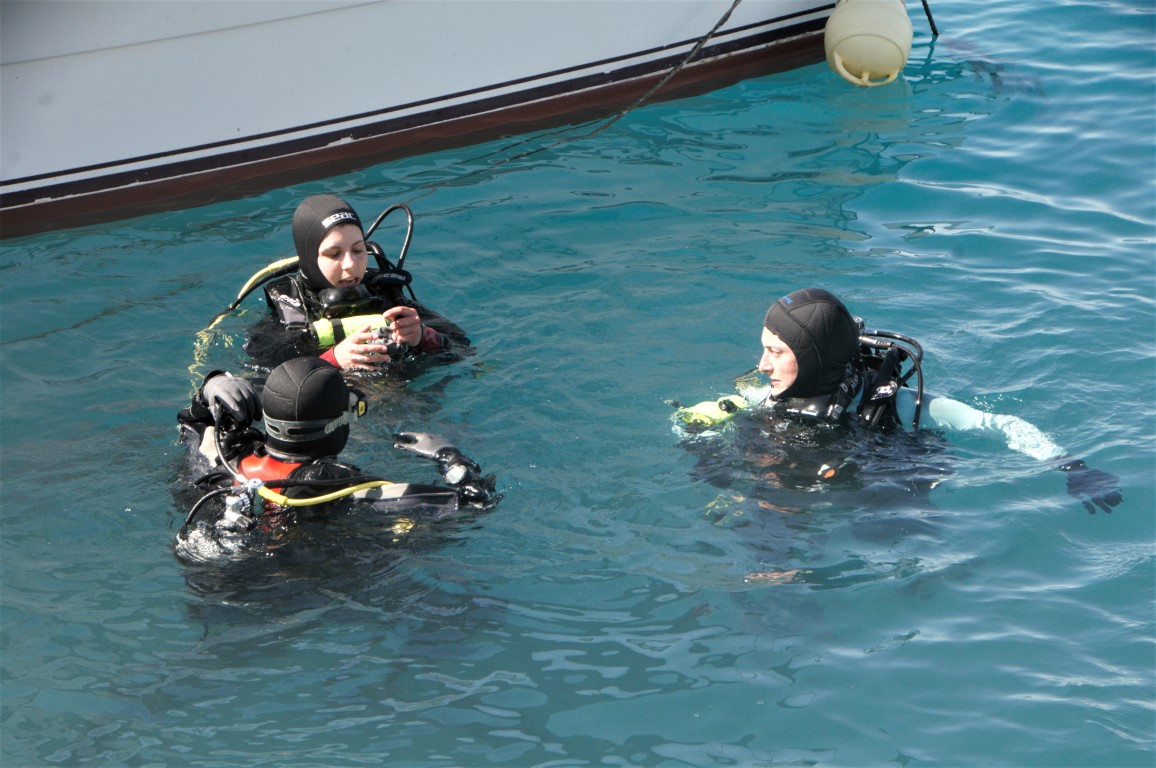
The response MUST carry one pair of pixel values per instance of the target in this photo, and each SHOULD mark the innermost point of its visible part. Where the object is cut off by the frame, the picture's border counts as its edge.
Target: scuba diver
(254, 485)
(329, 301)
(825, 368)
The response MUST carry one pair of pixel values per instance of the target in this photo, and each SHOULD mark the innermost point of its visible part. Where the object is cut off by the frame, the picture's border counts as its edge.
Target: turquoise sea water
(998, 205)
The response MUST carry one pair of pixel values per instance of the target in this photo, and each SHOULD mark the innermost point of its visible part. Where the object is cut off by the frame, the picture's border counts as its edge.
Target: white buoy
(868, 41)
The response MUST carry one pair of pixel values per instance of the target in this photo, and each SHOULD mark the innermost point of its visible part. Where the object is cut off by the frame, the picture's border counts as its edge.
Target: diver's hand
(425, 445)
(224, 394)
(471, 487)
(364, 350)
(406, 325)
(1092, 487)
(460, 471)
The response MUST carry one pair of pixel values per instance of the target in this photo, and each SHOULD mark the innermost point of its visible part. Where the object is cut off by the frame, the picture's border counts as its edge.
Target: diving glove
(226, 395)
(424, 444)
(460, 471)
(1092, 487)
(454, 465)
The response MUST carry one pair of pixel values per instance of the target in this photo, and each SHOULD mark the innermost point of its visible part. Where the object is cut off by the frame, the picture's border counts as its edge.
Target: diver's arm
(945, 413)
(431, 340)
(458, 470)
(439, 334)
(1095, 489)
(222, 396)
(218, 419)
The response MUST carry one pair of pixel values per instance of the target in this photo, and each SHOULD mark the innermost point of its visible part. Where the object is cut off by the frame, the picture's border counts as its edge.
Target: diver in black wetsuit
(826, 369)
(254, 484)
(335, 305)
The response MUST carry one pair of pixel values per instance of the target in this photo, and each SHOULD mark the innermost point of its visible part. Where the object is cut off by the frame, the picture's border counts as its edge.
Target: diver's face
(778, 363)
(342, 256)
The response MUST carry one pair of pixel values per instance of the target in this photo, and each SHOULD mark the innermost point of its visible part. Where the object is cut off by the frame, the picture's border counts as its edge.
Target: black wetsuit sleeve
(455, 344)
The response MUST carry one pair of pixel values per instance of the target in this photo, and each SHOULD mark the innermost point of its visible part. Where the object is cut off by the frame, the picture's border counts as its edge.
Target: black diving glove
(1092, 487)
(224, 394)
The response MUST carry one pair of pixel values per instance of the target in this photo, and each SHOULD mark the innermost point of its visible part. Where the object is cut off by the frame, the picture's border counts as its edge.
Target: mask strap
(305, 431)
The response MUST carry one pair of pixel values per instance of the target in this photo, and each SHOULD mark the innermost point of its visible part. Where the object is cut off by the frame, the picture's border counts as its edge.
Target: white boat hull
(112, 108)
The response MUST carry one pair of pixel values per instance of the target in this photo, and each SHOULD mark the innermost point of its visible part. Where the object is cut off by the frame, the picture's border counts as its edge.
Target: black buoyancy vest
(296, 306)
(875, 378)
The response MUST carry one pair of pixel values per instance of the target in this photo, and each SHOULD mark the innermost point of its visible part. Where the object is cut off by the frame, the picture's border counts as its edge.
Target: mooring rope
(604, 124)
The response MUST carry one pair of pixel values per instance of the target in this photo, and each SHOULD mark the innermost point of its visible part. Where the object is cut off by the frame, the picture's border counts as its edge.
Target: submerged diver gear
(307, 409)
(226, 395)
(822, 335)
(1092, 487)
(238, 513)
(205, 337)
(312, 220)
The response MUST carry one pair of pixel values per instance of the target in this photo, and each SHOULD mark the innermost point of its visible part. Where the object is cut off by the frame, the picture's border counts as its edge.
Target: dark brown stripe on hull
(240, 173)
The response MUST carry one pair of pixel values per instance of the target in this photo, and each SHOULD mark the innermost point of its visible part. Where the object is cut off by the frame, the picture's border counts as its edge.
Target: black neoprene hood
(306, 389)
(822, 334)
(311, 222)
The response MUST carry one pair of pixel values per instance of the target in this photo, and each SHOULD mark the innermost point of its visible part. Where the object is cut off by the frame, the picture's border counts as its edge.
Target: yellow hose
(205, 337)
(263, 273)
(284, 501)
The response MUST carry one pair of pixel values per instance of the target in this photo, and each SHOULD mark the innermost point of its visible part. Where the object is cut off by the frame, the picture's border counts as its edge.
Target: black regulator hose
(408, 232)
(201, 501)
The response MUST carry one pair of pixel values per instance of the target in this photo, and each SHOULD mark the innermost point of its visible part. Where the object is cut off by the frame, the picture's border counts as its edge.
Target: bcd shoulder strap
(877, 409)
